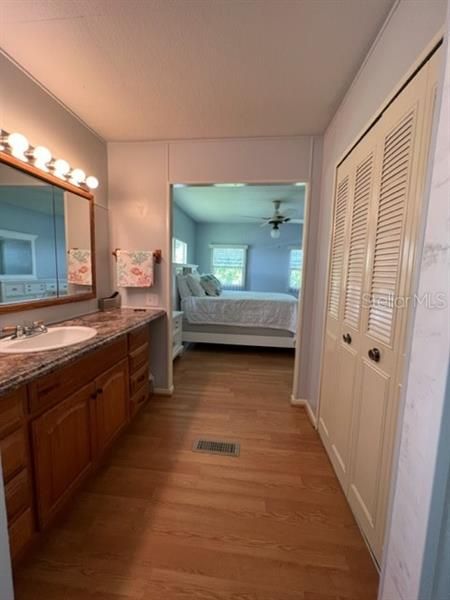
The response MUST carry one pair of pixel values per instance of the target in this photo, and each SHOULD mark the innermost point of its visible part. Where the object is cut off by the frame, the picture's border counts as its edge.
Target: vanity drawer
(139, 358)
(20, 533)
(139, 380)
(14, 453)
(17, 495)
(138, 338)
(55, 387)
(139, 399)
(11, 411)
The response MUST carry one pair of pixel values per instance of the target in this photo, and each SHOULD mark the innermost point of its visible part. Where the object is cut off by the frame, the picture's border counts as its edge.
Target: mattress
(243, 309)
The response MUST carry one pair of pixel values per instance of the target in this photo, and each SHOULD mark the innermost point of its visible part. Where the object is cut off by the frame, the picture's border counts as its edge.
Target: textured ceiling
(174, 69)
(248, 204)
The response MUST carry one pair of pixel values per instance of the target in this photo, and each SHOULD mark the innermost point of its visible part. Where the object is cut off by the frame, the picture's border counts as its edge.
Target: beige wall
(410, 28)
(140, 174)
(27, 108)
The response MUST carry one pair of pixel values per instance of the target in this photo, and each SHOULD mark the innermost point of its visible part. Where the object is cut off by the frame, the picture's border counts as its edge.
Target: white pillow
(195, 286)
(183, 288)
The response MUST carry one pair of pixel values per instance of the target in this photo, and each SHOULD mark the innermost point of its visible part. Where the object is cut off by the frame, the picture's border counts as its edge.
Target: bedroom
(237, 277)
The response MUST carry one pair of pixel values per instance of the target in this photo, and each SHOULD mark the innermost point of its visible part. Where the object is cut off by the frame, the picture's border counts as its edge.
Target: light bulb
(77, 176)
(19, 145)
(92, 182)
(42, 156)
(61, 168)
(275, 233)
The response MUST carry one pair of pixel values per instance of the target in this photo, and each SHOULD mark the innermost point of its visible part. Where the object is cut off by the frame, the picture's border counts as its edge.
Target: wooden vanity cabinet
(111, 405)
(139, 353)
(55, 431)
(14, 451)
(62, 450)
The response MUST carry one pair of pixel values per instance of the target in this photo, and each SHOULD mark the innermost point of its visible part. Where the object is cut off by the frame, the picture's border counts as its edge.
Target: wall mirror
(46, 239)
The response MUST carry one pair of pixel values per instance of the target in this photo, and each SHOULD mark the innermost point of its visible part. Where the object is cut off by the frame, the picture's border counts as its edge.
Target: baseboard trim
(309, 411)
(163, 391)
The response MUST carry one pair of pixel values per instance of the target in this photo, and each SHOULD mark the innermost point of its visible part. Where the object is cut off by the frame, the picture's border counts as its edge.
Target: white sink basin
(56, 337)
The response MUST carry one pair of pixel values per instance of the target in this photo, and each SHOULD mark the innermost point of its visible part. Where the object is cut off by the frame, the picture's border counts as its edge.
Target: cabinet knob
(374, 354)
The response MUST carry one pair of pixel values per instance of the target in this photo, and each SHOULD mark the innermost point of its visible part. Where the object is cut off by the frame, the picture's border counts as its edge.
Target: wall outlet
(152, 300)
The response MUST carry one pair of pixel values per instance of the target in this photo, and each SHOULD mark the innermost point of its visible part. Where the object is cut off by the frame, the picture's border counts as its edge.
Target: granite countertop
(18, 369)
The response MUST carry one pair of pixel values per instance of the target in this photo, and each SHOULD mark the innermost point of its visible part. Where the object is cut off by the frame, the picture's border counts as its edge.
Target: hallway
(160, 522)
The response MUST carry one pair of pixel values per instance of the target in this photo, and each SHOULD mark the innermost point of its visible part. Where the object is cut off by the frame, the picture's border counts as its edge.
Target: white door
(379, 188)
(403, 134)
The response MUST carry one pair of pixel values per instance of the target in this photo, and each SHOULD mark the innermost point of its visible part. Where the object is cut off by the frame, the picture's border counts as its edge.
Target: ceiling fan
(278, 218)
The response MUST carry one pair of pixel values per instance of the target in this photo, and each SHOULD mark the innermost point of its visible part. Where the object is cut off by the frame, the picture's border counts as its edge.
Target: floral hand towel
(79, 267)
(134, 268)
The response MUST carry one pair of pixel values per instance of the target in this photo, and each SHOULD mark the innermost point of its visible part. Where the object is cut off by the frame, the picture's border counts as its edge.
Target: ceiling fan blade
(297, 221)
(286, 219)
(290, 211)
(248, 217)
(264, 224)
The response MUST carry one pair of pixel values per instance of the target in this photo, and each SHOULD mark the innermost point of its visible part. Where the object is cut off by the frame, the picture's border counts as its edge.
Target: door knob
(347, 338)
(374, 354)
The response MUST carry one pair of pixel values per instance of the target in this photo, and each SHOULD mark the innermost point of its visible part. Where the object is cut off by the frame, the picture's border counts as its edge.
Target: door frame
(305, 245)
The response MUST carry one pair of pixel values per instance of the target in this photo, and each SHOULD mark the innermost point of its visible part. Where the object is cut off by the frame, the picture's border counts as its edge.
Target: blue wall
(267, 259)
(23, 220)
(184, 229)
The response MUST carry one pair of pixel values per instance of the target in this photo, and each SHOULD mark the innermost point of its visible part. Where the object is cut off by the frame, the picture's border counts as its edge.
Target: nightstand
(177, 333)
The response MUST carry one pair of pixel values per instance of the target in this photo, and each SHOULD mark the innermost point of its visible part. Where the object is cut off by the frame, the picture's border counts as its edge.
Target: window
(295, 269)
(179, 251)
(228, 264)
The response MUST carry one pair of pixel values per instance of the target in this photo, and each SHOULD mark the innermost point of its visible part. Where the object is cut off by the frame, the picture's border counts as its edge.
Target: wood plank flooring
(160, 522)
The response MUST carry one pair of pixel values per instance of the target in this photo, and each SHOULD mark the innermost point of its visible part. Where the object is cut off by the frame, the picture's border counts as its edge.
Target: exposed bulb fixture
(92, 182)
(42, 156)
(61, 168)
(275, 232)
(77, 176)
(19, 145)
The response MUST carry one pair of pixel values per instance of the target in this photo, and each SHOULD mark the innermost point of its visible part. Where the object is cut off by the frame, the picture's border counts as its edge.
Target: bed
(240, 318)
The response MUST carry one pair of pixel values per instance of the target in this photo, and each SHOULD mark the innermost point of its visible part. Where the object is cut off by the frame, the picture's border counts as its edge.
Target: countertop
(19, 369)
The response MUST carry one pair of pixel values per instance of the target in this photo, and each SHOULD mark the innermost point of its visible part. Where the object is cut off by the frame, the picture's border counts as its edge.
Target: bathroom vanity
(61, 410)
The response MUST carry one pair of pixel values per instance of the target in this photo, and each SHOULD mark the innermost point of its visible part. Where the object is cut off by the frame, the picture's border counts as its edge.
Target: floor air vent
(216, 447)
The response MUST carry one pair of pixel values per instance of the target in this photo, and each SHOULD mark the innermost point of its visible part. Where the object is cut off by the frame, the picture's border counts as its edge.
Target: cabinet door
(111, 404)
(62, 450)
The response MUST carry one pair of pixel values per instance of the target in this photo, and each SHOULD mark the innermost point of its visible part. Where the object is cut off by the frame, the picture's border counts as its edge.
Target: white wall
(140, 174)
(26, 107)
(422, 423)
(409, 29)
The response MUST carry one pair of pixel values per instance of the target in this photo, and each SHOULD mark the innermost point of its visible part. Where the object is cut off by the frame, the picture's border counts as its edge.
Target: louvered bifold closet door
(339, 232)
(399, 178)
(361, 166)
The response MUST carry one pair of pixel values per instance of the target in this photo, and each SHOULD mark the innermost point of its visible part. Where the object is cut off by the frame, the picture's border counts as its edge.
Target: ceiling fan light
(275, 233)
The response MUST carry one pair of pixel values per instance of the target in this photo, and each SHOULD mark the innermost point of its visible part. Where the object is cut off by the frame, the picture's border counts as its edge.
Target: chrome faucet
(17, 332)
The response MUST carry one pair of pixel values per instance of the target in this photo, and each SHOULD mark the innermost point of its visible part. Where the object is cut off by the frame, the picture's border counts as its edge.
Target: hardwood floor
(160, 522)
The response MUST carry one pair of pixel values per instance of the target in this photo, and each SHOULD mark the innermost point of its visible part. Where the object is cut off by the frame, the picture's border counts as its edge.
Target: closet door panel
(342, 412)
(388, 277)
(373, 394)
(330, 401)
(328, 391)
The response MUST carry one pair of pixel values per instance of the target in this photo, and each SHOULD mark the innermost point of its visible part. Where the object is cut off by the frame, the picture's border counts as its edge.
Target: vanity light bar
(18, 146)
